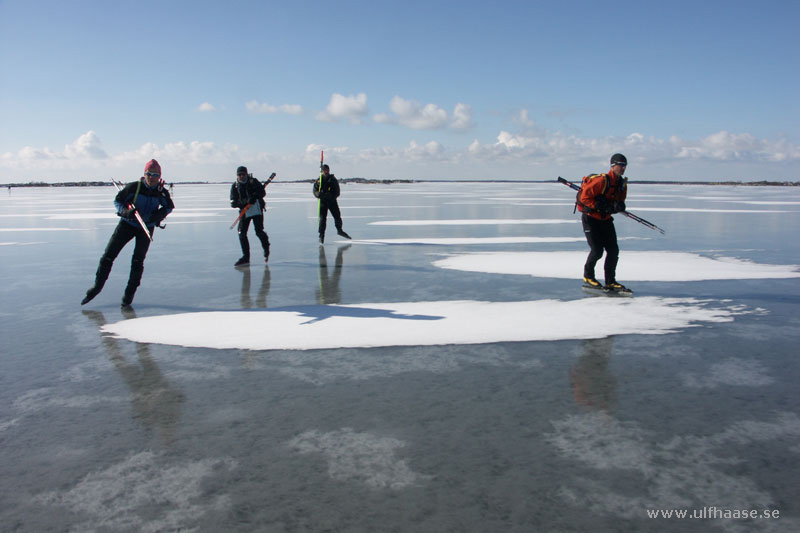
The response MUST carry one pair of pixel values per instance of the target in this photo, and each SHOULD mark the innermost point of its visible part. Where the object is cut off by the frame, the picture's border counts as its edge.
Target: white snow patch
(112, 215)
(451, 241)
(633, 266)
(420, 323)
(362, 457)
(475, 222)
(706, 210)
(38, 229)
(119, 497)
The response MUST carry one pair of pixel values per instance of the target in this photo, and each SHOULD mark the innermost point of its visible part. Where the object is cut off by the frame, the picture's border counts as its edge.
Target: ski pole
(319, 198)
(628, 214)
(135, 213)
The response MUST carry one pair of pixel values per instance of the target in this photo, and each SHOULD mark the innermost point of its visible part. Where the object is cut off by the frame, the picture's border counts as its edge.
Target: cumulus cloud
(416, 116)
(206, 107)
(352, 108)
(87, 146)
(546, 147)
(254, 106)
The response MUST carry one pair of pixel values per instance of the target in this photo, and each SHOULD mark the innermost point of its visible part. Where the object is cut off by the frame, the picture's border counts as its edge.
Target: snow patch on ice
(4, 425)
(475, 222)
(362, 457)
(41, 229)
(633, 266)
(470, 240)
(38, 399)
(737, 372)
(420, 323)
(121, 496)
(699, 473)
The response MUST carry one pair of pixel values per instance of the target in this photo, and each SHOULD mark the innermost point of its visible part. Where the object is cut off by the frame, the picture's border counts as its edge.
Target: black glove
(158, 216)
(234, 204)
(602, 206)
(128, 212)
(619, 207)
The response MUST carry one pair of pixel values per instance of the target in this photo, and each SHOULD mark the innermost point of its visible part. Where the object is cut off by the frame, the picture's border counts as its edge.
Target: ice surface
(441, 372)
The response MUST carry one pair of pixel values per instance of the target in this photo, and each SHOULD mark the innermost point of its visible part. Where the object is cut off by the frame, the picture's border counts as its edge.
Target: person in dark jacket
(326, 188)
(248, 192)
(148, 198)
(601, 196)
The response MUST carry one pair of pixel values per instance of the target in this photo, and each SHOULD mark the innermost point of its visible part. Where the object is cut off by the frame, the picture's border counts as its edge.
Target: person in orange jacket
(601, 196)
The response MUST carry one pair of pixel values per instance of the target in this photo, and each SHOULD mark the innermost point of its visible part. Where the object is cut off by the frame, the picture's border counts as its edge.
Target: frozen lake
(443, 371)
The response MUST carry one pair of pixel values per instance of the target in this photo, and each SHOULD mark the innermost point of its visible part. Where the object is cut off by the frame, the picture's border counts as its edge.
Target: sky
(520, 90)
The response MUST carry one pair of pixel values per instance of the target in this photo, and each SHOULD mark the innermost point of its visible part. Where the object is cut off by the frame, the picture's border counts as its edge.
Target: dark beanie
(241, 169)
(618, 159)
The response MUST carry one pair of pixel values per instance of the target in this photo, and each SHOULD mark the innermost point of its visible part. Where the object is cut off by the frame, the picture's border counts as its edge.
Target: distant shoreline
(762, 183)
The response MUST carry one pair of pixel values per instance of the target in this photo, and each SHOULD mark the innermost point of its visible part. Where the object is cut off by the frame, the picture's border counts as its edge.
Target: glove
(619, 207)
(158, 216)
(128, 212)
(602, 206)
(234, 204)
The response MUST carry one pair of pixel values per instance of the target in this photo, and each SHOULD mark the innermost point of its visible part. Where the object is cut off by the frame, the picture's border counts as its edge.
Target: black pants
(333, 207)
(258, 224)
(122, 235)
(601, 235)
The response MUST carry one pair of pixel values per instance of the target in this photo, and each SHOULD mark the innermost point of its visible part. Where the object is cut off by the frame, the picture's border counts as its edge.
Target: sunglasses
(241, 174)
(152, 174)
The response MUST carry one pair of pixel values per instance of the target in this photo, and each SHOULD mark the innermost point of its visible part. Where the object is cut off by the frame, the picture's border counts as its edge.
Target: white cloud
(462, 117)
(416, 116)
(352, 108)
(547, 147)
(254, 106)
(206, 107)
(87, 146)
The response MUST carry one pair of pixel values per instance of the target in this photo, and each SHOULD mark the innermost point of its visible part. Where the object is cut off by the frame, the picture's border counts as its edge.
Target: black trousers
(258, 225)
(122, 235)
(601, 236)
(333, 207)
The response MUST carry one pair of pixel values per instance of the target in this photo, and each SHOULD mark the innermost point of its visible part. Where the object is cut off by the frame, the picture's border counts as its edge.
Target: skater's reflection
(155, 403)
(328, 291)
(592, 383)
(261, 297)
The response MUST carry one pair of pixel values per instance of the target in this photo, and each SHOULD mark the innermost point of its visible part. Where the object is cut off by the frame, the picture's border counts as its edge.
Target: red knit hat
(152, 166)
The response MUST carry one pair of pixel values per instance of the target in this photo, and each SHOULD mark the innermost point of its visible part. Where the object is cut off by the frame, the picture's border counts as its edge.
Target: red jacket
(599, 193)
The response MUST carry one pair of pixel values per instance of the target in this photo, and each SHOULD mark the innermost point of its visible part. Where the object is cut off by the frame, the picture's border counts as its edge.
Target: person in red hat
(149, 199)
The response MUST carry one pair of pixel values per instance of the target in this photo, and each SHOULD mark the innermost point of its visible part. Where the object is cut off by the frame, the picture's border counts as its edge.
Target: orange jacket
(599, 193)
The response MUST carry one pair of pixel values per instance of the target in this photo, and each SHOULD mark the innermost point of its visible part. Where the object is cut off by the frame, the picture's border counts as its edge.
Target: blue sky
(411, 90)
